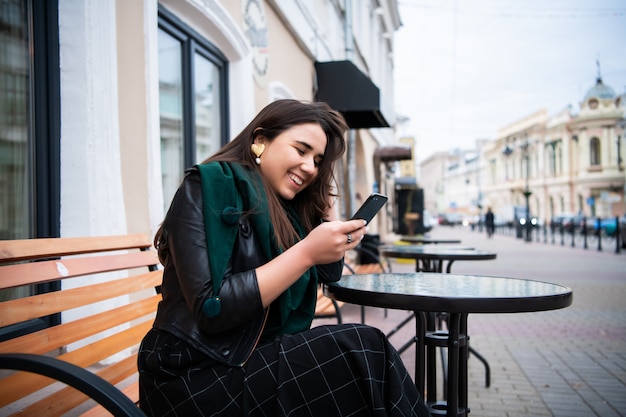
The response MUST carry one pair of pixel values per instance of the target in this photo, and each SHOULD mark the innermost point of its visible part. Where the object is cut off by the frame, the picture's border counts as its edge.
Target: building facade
(106, 103)
(118, 98)
(564, 163)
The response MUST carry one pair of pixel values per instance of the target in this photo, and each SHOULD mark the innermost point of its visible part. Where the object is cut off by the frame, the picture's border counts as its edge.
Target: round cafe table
(432, 258)
(457, 295)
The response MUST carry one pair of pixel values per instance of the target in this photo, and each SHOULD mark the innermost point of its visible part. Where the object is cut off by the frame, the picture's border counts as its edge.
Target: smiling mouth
(296, 179)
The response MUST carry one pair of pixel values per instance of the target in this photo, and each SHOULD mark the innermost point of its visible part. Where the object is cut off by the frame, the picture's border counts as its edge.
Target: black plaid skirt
(339, 370)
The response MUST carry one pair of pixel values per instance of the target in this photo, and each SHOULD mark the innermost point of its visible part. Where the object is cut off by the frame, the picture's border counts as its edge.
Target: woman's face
(290, 161)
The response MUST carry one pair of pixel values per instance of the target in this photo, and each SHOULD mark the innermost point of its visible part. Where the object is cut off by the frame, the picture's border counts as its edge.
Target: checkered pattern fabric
(341, 370)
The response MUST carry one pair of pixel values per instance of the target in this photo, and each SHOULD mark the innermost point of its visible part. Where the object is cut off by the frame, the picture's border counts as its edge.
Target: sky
(465, 69)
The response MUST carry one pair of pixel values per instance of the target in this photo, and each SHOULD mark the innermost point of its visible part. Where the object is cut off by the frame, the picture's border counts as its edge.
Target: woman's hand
(330, 240)
(325, 244)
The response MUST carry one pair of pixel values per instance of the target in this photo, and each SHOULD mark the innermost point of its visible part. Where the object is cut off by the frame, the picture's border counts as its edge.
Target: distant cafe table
(427, 240)
(457, 295)
(432, 258)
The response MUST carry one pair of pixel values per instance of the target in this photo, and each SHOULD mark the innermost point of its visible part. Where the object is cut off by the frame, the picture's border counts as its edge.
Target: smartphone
(370, 207)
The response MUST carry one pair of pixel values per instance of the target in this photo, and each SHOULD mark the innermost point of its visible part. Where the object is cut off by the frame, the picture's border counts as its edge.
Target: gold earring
(257, 149)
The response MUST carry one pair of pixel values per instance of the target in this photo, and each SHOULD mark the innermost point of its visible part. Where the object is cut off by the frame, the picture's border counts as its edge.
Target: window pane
(171, 114)
(207, 107)
(16, 188)
(592, 151)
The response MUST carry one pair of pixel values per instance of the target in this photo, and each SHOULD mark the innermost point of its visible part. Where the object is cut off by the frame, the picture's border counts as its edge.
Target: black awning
(392, 153)
(346, 89)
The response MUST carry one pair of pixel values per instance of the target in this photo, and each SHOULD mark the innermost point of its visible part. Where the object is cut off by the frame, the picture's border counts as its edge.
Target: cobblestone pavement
(563, 363)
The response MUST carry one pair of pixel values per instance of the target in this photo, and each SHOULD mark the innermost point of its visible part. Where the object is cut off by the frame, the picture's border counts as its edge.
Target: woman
(248, 236)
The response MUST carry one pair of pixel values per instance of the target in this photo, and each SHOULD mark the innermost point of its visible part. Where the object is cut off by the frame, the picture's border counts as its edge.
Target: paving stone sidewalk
(563, 363)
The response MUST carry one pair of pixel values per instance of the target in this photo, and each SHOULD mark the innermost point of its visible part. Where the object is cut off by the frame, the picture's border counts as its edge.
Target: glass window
(29, 133)
(171, 113)
(207, 111)
(192, 94)
(16, 188)
(551, 157)
(594, 151)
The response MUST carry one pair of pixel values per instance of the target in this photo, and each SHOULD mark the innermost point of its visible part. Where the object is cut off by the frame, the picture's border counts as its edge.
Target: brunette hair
(278, 116)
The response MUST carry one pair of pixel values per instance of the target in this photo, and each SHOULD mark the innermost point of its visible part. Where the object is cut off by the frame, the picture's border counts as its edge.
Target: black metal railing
(593, 234)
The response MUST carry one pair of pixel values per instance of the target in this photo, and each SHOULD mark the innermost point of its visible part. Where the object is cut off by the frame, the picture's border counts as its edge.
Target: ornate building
(565, 163)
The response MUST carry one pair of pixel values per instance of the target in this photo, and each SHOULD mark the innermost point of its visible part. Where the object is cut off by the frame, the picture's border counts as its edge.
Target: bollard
(618, 243)
(537, 232)
(584, 230)
(599, 229)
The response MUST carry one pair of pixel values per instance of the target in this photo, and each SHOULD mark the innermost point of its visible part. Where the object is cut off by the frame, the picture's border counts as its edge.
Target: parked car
(450, 219)
(608, 225)
(429, 220)
(570, 222)
(557, 221)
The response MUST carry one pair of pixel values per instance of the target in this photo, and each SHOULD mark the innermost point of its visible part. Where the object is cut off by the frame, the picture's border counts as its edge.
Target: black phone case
(370, 207)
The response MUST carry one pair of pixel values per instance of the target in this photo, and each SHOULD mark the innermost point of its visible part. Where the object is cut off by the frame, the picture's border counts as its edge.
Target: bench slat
(368, 269)
(18, 250)
(47, 271)
(49, 339)
(22, 309)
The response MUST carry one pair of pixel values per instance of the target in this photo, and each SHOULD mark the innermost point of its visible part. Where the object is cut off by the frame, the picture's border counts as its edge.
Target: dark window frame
(45, 128)
(194, 43)
(47, 119)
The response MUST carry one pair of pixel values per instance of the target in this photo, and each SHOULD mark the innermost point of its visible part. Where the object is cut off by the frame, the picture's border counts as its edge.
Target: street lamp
(527, 193)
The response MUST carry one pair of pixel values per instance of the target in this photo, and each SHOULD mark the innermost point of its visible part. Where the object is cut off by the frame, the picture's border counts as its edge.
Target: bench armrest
(91, 384)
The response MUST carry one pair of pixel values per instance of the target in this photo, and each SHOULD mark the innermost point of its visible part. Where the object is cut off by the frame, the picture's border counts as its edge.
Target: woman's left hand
(327, 243)
(330, 240)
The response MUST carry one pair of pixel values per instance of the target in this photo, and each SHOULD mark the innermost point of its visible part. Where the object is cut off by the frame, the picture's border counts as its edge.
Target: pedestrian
(249, 235)
(489, 222)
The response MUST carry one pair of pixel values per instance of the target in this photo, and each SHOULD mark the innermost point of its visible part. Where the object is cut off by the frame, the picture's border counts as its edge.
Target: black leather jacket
(230, 337)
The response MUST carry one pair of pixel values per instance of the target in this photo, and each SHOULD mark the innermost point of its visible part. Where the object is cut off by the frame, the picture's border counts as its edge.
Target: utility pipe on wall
(351, 153)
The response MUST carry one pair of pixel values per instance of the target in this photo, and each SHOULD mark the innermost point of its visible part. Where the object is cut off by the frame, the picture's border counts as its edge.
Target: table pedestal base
(440, 408)
(455, 340)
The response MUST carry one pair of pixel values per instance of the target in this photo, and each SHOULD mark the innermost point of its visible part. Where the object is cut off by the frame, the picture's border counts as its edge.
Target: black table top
(452, 293)
(427, 240)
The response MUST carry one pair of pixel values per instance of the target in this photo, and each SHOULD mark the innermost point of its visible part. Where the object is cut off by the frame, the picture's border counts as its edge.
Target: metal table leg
(420, 333)
(455, 379)
(454, 322)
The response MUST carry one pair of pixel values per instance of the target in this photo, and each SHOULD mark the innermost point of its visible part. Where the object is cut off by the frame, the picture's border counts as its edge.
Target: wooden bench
(112, 281)
(329, 308)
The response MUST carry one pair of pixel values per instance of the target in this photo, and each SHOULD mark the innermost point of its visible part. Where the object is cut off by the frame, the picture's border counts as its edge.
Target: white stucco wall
(91, 184)
(92, 200)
